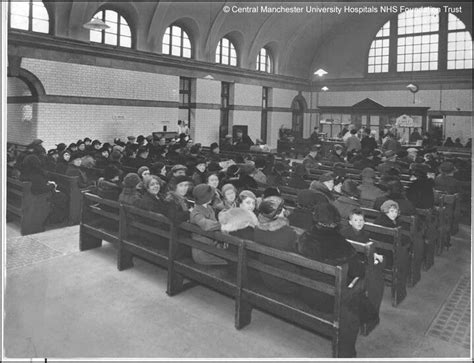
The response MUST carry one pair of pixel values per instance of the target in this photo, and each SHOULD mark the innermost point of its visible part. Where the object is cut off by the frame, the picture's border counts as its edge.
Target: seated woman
(238, 222)
(302, 216)
(274, 231)
(212, 180)
(229, 193)
(247, 200)
(73, 169)
(178, 206)
(324, 243)
(108, 187)
(34, 173)
(204, 216)
(130, 193)
(63, 162)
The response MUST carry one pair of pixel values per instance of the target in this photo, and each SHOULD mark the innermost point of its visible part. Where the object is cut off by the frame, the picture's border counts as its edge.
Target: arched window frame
(182, 37)
(120, 29)
(229, 50)
(442, 47)
(31, 17)
(265, 60)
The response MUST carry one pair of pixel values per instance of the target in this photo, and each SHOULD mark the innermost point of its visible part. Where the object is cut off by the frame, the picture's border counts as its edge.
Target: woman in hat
(348, 199)
(33, 172)
(337, 154)
(63, 162)
(238, 222)
(446, 181)
(229, 195)
(151, 199)
(214, 152)
(421, 190)
(199, 175)
(297, 179)
(73, 169)
(368, 191)
(179, 206)
(204, 216)
(302, 216)
(324, 186)
(130, 193)
(108, 185)
(274, 230)
(394, 191)
(102, 157)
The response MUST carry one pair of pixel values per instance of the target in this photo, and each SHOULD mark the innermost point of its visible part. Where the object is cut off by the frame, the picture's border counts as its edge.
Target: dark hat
(31, 162)
(201, 160)
(325, 215)
(194, 149)
(271, 191)
(142, 149)
(131, 138)
(308, 198)
(131, 180)
(326, 177)
(111, 171)
(142, 169)
(133, 147)
(149, 138)
(36, 142)
(71, 145)
(271, 207)
(87, 139)
(79, 142)
(214, 145)
(156, 167)
(106, 145)
(260, 162)
(53, 151)
(140, 139)
(280, 167)
(179, 179)
(300, 170)
(340, 170)
(203, 193)
(115, 155)
(96, 142)
(349, 187)
(178, 167)
(446, 167)
(104, 148)
(213, 166)
(233, 170)
(368, 173)
(61, 146)
(316, 147)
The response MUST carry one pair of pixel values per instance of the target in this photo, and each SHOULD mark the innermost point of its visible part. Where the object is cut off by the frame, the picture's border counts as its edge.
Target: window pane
(110, 38)
(39, 11)
(233, 61)
(19, 22)
(186, 53)
(20, 8)
(113, 27)
(186, 43)
(41, 26)
(95, 36)
(165, 49)
(110, 16)
(225, 59)
(125, 30)
(125, 42)
(176, 51)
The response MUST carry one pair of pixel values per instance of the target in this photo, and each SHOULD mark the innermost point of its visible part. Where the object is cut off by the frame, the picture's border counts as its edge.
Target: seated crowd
(242, 196)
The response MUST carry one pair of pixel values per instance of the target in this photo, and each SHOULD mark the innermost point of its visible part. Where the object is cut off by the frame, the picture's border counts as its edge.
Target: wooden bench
(143, 234)
(32, 210)
(430, 235)
(99, 221)
(410, 231)
(388, 242)
(69, 185)
(340, 324)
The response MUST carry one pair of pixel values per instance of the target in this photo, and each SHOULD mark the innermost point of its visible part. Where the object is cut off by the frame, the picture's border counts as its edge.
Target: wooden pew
(410, 231)
(252, 293)
(143, 234)
(388, 241)
(32, 210)
(69, 185)
(430, 235)
(99, 221)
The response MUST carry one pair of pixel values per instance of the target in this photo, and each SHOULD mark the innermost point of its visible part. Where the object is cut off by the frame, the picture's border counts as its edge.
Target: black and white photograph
(135, 134)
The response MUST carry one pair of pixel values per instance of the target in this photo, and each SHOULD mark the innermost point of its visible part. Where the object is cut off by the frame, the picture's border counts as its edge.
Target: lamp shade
(324, 89)
(320, 72)
(96, 24)
(413, 87)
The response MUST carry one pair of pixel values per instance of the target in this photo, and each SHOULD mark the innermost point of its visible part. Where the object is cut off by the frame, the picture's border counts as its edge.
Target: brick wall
(206, 126)
(208, 91)
(251, 119)
(92, 81)
(68, 123)
(22, 122)
(247, 95)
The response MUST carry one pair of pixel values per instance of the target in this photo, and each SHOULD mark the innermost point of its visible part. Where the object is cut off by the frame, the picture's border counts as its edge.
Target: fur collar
(272, 225)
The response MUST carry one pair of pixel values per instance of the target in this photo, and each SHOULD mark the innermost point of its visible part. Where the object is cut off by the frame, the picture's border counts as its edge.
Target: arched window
(459, 44)
(118, 34)
(225, 53)
(418, 36)
(29, 15)
(176, 42)
(264, 61)
(379, 50)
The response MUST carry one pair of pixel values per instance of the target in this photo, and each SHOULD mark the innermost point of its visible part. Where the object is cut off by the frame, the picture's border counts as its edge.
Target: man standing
(353, 142)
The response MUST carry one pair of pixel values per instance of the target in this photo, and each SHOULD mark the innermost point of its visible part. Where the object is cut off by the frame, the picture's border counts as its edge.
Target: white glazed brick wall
(16, 87)
(19, 131)
(68, 123)
(247, 95)
(206, 126)
(283, 97)
(252, 119)
(69, 79)
(208, 91)
(459, 126)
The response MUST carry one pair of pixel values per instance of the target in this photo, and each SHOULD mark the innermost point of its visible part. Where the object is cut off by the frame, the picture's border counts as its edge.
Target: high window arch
(265, 61)
(29, 15)
(176, 42)
(421, 39)
(226, 53)
(119, 34)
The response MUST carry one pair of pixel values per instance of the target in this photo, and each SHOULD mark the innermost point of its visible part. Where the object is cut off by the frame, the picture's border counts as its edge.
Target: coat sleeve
(204, 223)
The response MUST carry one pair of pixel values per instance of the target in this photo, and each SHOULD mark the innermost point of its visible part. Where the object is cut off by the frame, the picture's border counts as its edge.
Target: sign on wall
(407, 121)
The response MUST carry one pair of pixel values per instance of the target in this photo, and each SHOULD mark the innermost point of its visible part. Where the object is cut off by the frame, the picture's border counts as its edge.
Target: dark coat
(368, 143)
(333, 157)
(298, 182)
(345, 205)
(178, 209)
(107, 189)
(421, 193)
(279, 235)
(447, 183)
(350, 233)
(31, 171)
(82, 180)
(301, 218)
(323, 191)
(129, 196)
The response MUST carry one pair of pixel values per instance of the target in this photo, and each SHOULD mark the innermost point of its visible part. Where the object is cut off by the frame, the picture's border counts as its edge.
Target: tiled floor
(452, 324)
(24, 251)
